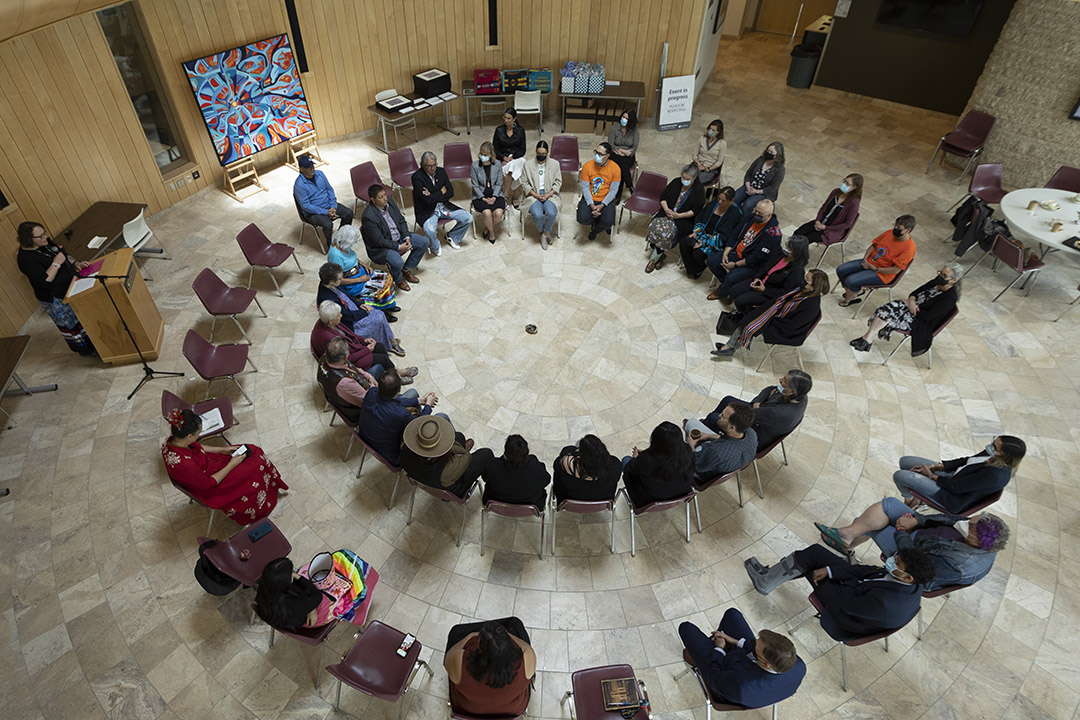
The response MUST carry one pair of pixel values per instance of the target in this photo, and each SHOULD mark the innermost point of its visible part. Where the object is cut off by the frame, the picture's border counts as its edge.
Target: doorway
(779, 16)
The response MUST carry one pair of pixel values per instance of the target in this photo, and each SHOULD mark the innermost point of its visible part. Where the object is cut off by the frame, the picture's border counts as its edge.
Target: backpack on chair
(210, 578)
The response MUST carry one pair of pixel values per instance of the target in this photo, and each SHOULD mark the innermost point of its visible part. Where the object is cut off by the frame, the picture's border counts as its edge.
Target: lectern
(95, 311)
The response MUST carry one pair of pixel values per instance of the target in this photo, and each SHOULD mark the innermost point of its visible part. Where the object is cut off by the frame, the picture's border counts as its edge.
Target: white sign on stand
(676, 102)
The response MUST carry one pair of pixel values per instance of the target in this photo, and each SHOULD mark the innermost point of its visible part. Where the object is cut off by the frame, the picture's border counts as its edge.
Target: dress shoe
(410, 276)
(404, 285)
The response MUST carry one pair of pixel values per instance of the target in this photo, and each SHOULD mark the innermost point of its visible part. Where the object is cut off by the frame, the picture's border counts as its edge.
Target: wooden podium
(100, 320)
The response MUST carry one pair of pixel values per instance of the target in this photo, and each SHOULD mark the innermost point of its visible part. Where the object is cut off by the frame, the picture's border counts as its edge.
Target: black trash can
(804, 62)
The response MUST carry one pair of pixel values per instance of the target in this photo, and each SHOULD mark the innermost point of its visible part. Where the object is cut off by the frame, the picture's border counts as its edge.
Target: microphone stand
(149, 373)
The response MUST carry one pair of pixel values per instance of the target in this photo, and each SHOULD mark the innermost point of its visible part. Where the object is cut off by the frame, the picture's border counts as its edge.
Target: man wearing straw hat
(437, 456)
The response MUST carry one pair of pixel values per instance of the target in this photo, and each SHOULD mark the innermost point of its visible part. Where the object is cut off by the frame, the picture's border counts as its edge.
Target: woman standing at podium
(50, 271)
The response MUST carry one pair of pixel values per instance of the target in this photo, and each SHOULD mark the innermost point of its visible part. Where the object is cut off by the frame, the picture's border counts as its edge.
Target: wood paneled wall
(69, 135)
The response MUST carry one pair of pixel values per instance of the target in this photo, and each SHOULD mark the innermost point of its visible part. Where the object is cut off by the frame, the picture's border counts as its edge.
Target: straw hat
(429, 436)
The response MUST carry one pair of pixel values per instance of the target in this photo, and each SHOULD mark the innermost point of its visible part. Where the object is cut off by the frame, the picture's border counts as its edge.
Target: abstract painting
(250, 97)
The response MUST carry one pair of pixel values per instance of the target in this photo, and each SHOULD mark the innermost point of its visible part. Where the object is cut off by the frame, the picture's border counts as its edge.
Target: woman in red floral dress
(244, 486)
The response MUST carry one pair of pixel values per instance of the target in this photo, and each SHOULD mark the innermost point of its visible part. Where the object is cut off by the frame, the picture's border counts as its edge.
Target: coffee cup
(695, 433)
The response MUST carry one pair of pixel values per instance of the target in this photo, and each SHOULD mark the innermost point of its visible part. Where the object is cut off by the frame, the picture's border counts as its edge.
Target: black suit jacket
(970, 483)
(775, 417)
(424, 205)
(859, 601)
(376, 232)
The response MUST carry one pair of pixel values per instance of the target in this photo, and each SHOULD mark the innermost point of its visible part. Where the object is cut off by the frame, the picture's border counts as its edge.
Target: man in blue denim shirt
(317, 199)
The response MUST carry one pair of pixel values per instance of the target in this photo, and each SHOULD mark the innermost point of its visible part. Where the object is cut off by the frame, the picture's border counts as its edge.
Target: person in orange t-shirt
(888, 255)
(600, 178)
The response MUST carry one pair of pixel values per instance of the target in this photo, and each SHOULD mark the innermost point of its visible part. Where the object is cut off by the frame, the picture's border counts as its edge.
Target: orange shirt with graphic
(887, 251)
(750, 234)
(600, 178)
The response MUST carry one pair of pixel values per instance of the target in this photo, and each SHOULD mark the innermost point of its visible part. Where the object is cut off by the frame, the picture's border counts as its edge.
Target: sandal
(408, 372)
(853, 301)
(831, 537)
(396, 349)
(406, 379)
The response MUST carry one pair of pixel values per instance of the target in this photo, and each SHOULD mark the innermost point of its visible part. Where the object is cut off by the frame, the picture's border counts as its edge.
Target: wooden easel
(239, 172)
(306, 144)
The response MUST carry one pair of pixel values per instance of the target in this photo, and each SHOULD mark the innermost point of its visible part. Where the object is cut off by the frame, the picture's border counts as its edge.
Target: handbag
(209, 577)
(662, 233)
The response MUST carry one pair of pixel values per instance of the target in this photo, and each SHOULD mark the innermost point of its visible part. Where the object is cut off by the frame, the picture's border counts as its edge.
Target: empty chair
(1012, 255)
(217, 361)
(512, 510)
(136, 234)
(530, 102)
(587, 697)
(405, 121)
(967, 140)
(220, 299)
(363, 177)
(646, 196)
(581, 507)
(842, 239)
(1066, 178)
(444, 495)
(564, 149)
(305, 223)
(260, 252)
(985, 184)
(457, 160)
(658, 506)
(879, 286)
(242, 559)
(1067, 307)
(845, 644)
(402, 166)
(906, 335)
(170, 402)
(712, 702)
(374, 667)
(981, 505)
(798, 354)
(486, 105)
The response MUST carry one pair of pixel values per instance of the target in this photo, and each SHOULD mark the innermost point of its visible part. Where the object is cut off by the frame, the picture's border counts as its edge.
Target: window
(132, 55)
(493, 22)
(3, 200)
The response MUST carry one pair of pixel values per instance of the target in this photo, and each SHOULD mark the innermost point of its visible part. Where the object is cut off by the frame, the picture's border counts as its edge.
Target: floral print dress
(248, 493)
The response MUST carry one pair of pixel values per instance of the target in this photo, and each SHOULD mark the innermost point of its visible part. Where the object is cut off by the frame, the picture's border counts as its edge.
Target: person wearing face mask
(962, 550)
(680, 202)
(785, 275)
(728, 447)
(838, 213)
(961, 483)
(600, 178)
(748, 252)
(762, 178)
(857, 600)
(487, 190)
(713, 228)
(711, 150)
(541, 180)
(509, 144)
(778, 409)
(920, 314)
(624, 138)
(787, 321)
(890, 253)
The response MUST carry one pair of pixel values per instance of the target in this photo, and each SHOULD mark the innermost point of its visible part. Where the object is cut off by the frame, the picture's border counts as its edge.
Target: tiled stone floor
(101, 614)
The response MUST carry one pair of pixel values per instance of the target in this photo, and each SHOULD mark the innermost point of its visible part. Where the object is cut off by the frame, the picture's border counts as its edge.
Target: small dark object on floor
(531, 329)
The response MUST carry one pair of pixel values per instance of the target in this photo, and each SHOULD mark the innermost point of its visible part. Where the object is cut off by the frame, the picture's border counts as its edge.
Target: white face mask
(963, 527)
(484, 158)
(599, 158)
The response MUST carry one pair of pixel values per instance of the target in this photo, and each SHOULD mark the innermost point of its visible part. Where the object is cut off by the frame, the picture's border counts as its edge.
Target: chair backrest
(1008, 252)
(375, 453)
(844, 236)
(703, 485)
(385, 94)
(402, 166)
(948, 319)
(772, 446)
(226, 556)
(1066, 178)
(650, 185)
(514, 510)
(583, 507)
(170, 402)
(135, 231)
(300, 210)
(564, 149)
(457, 156)
(252, 240)
(527, 101)
(364, 176)
(306, 635)
(209, 288)
(987, 176)
(662, 505)
(973, 130)
(853, 642)
(443, 494)
(197, 349)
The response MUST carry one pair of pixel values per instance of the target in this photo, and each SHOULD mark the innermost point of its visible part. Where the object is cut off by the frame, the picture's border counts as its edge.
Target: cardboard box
(578, 126)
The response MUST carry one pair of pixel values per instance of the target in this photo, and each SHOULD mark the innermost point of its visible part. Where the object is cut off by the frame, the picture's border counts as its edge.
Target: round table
(1037, 226)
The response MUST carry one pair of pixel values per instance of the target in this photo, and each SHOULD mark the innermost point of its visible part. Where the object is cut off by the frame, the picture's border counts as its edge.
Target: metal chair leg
(843, 663)
(760, 491)
(352, 438)
(918, 635)
(822, 258)
(297, 261)
(259, 305)
(738, 483)
(276, 286)
(697, 511)
(251, 271)
(483, 517)
(866, 301)
(930, 165)
(886, 643)
(238, 327)
(687, 669)
(1006, 288)
(783, 450)
(363, 457)
(767, 354)
(393, 493)
(412, 501)
(1067, 307)
(210, 523)
(687, 504)
(543, 519)
(254, 367)
(337, 696)
(898, 346)
(238, 387)
(612, 528)
(554, 518)
(213, 326)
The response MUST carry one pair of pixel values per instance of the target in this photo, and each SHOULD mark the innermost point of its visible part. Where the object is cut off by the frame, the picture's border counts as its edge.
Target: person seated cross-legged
(778, 409)
(732, 446)
(963, 482)
(388, 240)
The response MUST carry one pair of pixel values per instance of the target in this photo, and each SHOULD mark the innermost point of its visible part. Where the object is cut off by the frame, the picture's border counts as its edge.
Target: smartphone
(260, 532)
(242, 450)
(406, 644)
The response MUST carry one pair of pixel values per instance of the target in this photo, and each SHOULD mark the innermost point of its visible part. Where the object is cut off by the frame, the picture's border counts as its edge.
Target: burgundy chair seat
(442, 495)
(512, 510)
(197, 501)
(564, 150)
(402, 166)
(967, 140)
(1066, 178)
(646, 196)
(364, 176)
(589, 696)
(218, 298)
(986, 183)
(895, 282)
(703, 485)
(226, 555)
(373, 666)
(716, 702)
(981, 505)
(581, 507)
(855, 642)
(906, 334)
(258, 250)
(658, 506)
(170, 402)
(457, 160)
(213, 361)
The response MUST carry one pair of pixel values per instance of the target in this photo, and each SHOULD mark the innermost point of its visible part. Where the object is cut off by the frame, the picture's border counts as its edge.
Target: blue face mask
(687, 183)
(990, 450)
(484, 158)
(890, 565)
(623, 121)
(599, 159)
(845, 188)
(711, 133)
(780, 388)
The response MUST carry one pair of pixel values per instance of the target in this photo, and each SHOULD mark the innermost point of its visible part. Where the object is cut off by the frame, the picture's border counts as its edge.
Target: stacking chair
(260, 252)
(981, 505)
(797, 345)
(196, 501)
(906, 335)
(524, 214)
(587, 697)
(967, 140)
(487, 103)
(765, 451)
(1066, 178)
(845, 644)
(217, 361)
(985, 184)
(564, 150)
(405, 121)
(444, 495)
(659, 506)
(1011, 254)
(880, 286)
(457, 160)
(220, 299)
(402, 166)
(701, 486)
(512, 510)
(530, 102)
(373, 666)
(646, 196)
(366, 449)
(581, 507)
(456, 714)
(843, 239)
(1075, 300)
(712, 702)
(940, 592)
(136, 234)
(364, 176)
(306, 223)
(227, 556)
(170, 402)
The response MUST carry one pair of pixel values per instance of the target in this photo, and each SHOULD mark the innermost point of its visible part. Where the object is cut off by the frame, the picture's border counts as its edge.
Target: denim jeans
(907, 479)
(748, 201)
(853, 277)
(462, 218)
(396, 262)
(885, 539)
(544, 214)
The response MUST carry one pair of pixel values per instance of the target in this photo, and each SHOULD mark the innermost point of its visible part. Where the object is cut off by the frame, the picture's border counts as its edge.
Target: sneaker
(544, 240)
(453, 243)
(592, 234)
(436, 251)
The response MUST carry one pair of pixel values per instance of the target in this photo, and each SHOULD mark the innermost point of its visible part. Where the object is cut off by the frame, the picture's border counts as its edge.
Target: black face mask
(897, 232)
(768, 155)
(758, 217)
(541, 158)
